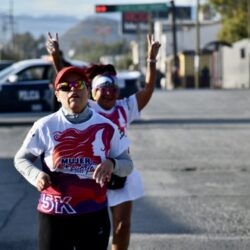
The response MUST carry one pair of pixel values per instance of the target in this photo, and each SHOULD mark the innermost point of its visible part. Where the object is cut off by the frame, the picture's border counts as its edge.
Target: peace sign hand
(52, 44)
(153, 47)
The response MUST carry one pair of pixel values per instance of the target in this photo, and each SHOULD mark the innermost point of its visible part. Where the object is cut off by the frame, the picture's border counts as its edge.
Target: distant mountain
(93, 29)
(38, 26)
(70, 29)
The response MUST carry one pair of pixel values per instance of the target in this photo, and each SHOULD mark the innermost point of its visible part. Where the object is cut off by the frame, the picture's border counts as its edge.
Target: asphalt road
(192, 149)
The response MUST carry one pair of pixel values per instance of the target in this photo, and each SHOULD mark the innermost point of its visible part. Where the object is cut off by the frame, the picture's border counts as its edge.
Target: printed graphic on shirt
(59, 205)
(119, 118)
(71, 195)
(79, 152)
(75, 157)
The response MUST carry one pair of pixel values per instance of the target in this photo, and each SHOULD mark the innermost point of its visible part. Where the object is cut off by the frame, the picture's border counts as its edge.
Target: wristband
(151, 60)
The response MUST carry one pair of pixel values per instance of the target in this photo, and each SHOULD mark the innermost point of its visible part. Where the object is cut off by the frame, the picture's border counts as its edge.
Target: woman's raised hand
(153, 47)
(52, 44)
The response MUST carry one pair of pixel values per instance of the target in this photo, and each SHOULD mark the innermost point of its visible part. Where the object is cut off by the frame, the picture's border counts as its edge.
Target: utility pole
(248, 31)
(11, 19)
(176, 61)
(151, 23)
(197, 52)
(248, 19)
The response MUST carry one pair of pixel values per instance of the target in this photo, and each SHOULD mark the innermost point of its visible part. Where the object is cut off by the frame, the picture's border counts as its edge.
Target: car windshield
(7, 71)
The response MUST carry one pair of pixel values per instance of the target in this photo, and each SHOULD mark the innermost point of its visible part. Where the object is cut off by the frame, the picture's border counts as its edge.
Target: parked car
(24, 86)
(129, 82)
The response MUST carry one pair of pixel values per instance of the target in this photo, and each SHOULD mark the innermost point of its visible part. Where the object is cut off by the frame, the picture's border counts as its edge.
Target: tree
(208, 11)
(92, 52)
(234, 19)
(24, 46)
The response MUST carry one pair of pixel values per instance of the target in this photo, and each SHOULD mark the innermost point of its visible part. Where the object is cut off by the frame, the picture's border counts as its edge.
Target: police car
(25, 86)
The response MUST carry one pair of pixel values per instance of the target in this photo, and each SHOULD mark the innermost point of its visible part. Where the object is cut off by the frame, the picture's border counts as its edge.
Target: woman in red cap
(122, 112)
(79, 150)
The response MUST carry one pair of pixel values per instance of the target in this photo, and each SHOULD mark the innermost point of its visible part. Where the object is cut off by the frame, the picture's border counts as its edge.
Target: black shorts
(87, 231)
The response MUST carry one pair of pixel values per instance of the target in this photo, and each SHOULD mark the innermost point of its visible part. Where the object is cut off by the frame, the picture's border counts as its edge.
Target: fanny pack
(116, 182)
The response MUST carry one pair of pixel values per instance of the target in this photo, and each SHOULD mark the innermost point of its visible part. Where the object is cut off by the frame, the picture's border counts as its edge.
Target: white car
(129, 82)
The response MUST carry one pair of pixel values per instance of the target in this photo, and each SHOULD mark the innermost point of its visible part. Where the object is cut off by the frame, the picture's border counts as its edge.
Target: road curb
(20, 119)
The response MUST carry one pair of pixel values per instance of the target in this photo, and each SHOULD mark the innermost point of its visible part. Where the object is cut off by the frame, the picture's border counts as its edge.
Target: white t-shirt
(70, 154)
(122, 114)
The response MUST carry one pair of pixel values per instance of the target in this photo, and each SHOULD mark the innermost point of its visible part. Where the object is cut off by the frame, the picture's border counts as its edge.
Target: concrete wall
(236, 65)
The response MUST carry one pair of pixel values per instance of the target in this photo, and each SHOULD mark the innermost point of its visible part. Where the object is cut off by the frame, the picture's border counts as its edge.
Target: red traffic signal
(105, 8)
(100, 8)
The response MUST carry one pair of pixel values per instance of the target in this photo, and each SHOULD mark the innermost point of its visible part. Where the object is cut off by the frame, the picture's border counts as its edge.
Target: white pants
(132, 190)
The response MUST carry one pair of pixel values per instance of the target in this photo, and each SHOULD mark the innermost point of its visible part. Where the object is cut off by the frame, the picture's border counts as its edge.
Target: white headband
(102, 80)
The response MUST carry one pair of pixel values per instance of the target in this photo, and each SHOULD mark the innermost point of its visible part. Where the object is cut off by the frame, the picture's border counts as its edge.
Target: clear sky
(77, 8)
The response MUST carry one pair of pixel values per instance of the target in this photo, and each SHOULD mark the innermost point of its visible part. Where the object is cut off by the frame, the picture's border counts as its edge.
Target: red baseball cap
(65, 71)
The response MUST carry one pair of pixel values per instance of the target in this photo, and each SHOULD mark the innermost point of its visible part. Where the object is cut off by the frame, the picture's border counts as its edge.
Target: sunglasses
(108, 90)
(66, 86)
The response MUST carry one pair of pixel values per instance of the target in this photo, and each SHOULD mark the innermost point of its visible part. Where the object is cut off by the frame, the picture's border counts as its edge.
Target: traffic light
(105, 8)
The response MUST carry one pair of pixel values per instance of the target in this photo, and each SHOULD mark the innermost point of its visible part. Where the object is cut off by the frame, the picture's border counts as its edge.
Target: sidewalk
(21, 118)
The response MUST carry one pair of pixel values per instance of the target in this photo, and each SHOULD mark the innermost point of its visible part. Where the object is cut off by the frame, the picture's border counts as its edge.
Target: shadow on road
(148, 218)
(18, 219)
(184, 121)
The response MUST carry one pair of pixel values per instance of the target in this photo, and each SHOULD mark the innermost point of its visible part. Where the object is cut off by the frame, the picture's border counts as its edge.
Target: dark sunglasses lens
(64, 88)
(77, 84)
